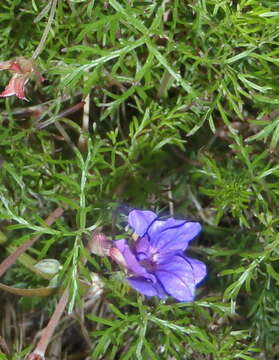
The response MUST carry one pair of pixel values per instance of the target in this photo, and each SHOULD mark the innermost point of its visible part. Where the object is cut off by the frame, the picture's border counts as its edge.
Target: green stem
(46, 31)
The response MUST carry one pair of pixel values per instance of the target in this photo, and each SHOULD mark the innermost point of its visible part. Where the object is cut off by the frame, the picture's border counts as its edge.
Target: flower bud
(117, 256)
(99, 244)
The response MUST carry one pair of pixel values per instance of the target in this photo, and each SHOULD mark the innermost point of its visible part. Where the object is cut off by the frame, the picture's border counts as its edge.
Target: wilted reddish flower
(23, 70)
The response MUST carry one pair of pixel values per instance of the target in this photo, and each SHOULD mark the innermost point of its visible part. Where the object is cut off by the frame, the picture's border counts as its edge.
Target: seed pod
(49, 266)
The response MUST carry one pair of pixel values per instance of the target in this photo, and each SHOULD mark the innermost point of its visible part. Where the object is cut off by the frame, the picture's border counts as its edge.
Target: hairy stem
(39, 352)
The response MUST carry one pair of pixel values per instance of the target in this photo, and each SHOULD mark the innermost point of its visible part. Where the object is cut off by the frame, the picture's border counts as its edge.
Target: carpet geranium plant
(139, 180)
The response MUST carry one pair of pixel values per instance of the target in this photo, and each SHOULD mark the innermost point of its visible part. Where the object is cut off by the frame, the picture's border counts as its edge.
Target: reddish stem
(39, 352)
(10, 260)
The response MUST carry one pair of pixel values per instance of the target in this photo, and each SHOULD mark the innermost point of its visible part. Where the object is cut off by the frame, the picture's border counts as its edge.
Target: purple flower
(156, 262)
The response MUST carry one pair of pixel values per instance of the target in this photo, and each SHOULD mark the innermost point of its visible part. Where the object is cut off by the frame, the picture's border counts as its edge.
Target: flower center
(148, 264)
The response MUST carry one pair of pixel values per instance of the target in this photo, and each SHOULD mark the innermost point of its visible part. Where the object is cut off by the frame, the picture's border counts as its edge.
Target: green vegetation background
(183, 116)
